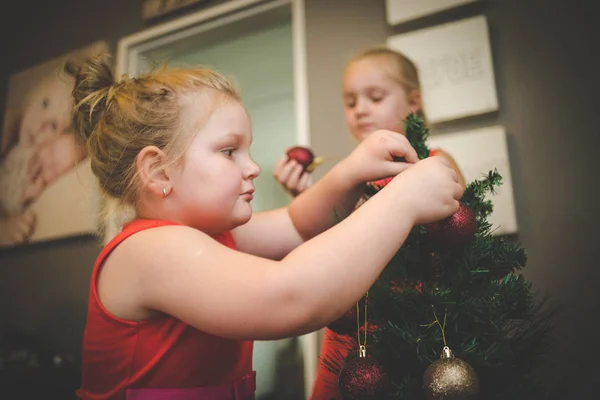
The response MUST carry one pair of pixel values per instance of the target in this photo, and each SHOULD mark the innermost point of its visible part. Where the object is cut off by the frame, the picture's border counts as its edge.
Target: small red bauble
(304, 156)
(363, 378)
(457, 230)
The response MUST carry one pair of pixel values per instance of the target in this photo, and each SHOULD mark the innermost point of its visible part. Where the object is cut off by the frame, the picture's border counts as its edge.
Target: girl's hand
(431, 189)
(382, 154)
(289, 175)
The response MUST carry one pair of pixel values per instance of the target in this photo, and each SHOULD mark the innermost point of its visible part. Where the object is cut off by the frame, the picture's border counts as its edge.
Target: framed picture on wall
(399, 11)
(477, 152)
(47, 190)
(455, 67)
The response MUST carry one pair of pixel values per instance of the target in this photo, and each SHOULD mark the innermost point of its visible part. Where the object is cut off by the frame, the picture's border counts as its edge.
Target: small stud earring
(164, 192)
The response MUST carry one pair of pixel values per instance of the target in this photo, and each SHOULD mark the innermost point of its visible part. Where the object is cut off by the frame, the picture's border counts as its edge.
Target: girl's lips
(248, 195)
(366, 127)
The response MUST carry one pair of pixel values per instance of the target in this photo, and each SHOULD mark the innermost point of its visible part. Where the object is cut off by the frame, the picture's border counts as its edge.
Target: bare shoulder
(148, 255)
(164, 238)
(167, 246)
(155, 243)
(186, 273)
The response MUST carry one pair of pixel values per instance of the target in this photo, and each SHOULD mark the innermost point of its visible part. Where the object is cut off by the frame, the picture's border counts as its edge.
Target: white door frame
(129, 47)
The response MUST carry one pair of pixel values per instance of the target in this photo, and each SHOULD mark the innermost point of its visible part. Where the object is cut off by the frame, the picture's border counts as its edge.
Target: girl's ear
(414, 101)
(150, 164)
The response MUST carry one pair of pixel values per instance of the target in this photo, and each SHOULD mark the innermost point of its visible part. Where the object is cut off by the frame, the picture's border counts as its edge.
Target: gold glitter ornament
(450, 378)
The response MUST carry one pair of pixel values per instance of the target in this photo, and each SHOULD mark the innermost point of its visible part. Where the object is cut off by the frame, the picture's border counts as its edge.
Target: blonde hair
(397, 66)
(117, 119)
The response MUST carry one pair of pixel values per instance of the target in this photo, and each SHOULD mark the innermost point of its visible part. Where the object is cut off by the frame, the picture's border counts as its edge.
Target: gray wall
(546, 67)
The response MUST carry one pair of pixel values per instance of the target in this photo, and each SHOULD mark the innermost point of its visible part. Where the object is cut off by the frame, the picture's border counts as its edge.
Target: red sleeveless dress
(335, 347)
(159, 358)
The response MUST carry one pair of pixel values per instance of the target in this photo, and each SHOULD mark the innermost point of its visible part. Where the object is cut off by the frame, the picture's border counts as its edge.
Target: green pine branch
(417, 133)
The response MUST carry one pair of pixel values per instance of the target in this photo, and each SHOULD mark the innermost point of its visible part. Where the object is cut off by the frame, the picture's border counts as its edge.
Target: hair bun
(93, 81)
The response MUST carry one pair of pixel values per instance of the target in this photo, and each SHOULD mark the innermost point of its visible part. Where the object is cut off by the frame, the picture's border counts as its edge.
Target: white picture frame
(477, 152)
(455, 68)
(399, 11)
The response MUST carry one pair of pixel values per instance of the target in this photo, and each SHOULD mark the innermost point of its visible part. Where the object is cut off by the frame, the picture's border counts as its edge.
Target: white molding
(310, 341)
(124, 45)
(212, 24)
(130, 46)
(300, 72)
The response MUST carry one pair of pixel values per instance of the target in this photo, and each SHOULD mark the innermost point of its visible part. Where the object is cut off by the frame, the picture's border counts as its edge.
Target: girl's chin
(362, 134)
(243, 218)
(366, 133)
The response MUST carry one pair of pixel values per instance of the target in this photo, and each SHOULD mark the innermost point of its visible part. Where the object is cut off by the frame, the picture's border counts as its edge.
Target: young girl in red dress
(177, 297)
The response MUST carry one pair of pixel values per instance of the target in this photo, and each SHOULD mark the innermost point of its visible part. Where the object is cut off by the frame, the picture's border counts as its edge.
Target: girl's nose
(252, 170)
(361, 107)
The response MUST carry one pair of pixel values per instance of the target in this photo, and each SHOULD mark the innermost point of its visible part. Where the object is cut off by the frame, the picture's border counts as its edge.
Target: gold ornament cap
(446, 353)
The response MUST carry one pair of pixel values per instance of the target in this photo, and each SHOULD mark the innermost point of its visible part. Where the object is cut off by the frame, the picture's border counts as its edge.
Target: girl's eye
(228, 152)
(349, 101)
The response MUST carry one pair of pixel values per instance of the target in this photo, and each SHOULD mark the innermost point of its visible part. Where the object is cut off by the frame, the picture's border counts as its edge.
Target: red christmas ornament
(455, 231)
(304, 156)
(362, 378)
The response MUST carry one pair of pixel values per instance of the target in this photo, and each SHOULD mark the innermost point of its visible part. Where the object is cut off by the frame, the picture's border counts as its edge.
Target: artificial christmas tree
(496, 327)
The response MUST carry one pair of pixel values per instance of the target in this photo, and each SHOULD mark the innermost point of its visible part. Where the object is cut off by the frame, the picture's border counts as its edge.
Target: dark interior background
(546, 64)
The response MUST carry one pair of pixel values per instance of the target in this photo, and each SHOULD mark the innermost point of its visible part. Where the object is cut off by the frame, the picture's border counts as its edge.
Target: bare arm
(236, 295)
(231, 294)
(274, 234)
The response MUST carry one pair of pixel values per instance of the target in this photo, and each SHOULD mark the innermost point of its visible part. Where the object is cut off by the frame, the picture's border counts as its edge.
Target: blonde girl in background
(380, 87)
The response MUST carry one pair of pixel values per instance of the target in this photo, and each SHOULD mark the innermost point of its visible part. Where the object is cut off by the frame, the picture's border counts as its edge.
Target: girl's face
(213, 185)
(373, 100)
